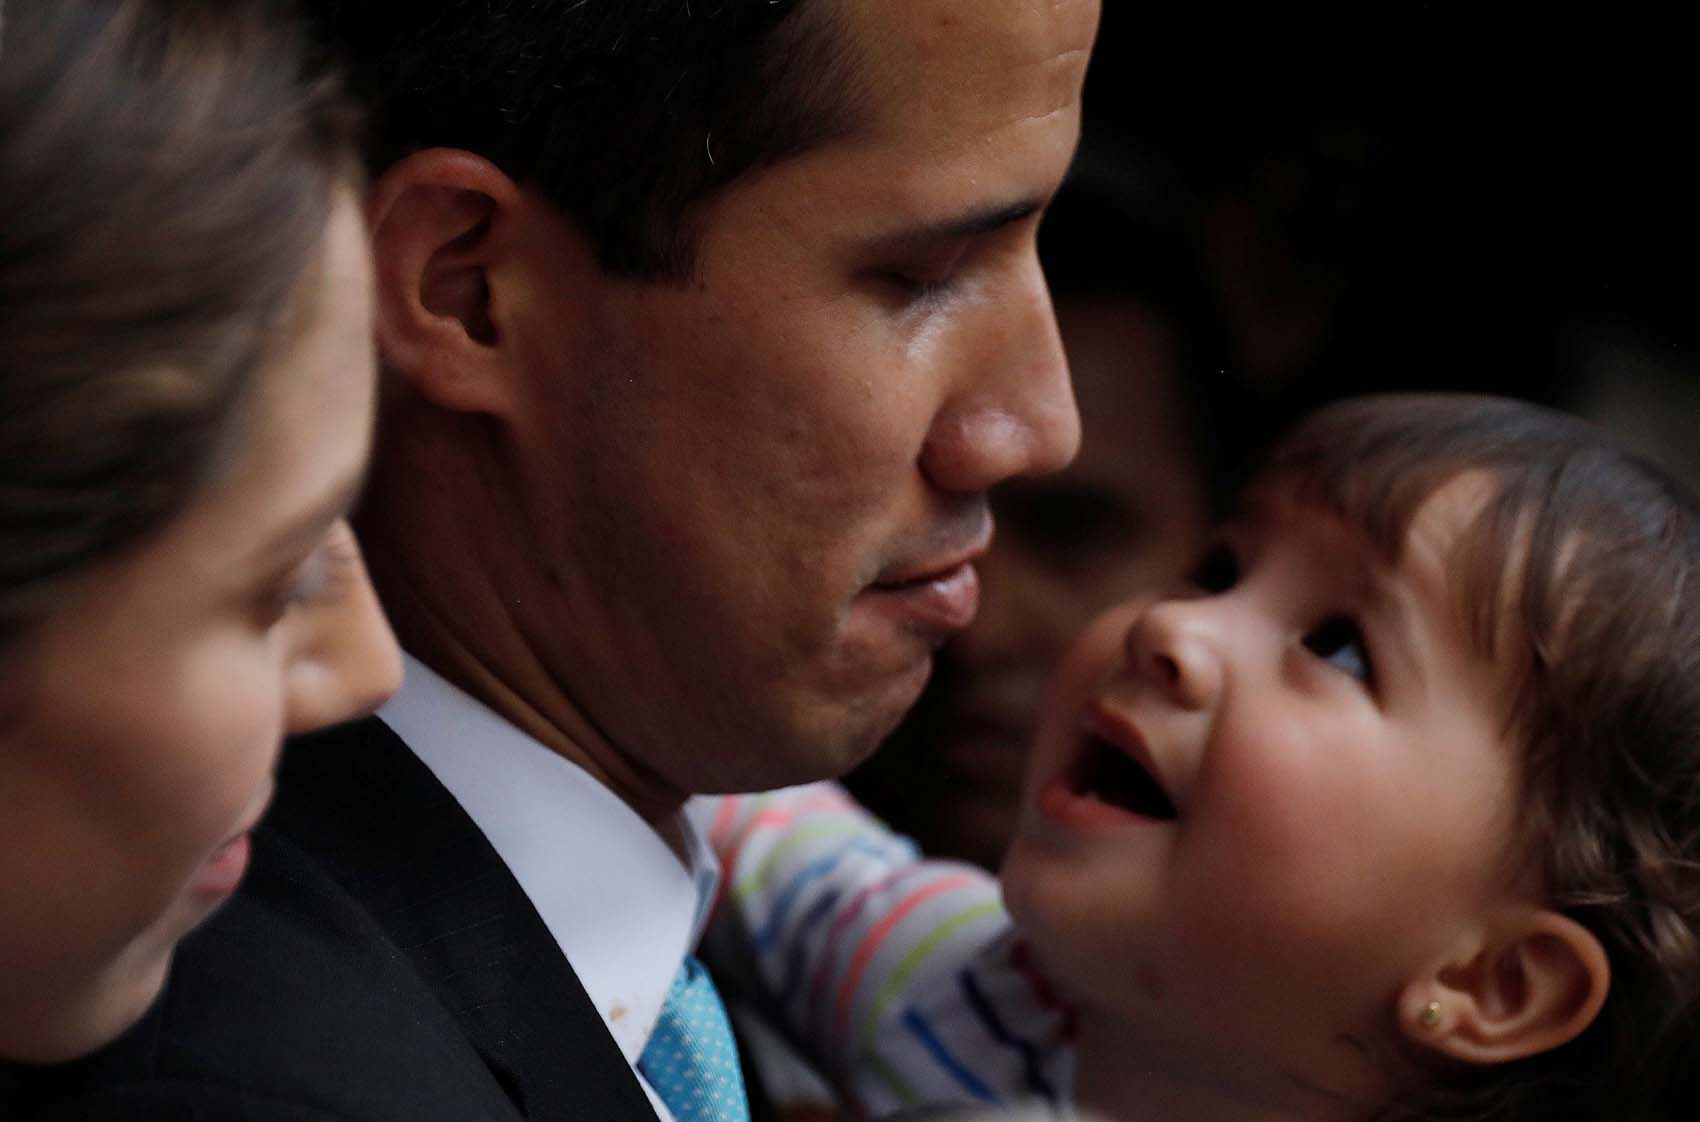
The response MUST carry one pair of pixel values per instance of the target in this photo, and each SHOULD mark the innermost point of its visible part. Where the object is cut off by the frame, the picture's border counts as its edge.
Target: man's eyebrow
(984, 220)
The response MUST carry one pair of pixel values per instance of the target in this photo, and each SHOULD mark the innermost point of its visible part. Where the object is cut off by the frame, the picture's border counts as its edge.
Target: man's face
(758, 495)
(1123, 519)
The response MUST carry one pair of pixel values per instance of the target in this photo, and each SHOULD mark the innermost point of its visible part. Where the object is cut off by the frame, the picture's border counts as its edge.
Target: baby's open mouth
(1109, 774)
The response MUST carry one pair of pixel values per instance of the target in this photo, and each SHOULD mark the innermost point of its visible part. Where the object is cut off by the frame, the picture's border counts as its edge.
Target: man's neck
(518, 691)
(463, 632)
(453, 549)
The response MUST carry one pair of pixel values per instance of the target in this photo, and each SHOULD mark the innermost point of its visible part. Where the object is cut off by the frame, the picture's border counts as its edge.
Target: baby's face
(1257, 808)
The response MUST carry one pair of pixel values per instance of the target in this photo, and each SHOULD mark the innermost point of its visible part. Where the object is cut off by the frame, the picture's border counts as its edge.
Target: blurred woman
(186, 396)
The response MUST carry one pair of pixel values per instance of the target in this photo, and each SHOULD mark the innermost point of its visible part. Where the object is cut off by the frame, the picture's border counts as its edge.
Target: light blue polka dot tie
(691, 1059)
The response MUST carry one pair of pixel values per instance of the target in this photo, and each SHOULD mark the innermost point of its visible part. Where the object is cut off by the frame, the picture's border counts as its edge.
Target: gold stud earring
(1430, 1015)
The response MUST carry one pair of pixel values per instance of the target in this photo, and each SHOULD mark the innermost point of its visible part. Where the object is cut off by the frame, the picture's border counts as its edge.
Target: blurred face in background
(140, 721)
(1126, 517)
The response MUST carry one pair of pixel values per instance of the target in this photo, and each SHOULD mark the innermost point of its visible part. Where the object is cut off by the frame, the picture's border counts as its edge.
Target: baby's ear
(1532, 984)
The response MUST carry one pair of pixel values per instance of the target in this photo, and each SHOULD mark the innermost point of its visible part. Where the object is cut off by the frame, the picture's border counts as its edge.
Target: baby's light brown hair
(1579, 581)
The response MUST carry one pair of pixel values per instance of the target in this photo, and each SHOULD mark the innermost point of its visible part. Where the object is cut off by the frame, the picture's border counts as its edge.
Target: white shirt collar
(619, 903)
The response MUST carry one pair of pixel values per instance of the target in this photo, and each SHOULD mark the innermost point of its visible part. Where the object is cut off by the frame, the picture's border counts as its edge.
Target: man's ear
(442, 221)
(1534, 984)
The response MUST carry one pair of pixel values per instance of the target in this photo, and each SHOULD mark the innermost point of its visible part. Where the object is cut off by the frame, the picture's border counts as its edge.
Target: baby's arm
(899, 976)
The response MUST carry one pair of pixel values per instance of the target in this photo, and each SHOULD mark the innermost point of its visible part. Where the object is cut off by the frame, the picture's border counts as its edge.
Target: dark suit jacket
(380, 964)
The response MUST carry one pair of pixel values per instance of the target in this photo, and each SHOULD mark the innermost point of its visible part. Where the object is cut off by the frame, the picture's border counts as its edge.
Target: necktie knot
(691, 1059)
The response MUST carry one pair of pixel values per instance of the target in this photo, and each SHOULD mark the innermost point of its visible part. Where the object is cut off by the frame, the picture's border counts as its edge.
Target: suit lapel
(359, 801)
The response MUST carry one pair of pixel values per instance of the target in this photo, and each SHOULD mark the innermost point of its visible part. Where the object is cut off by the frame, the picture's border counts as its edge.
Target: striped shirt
(901, 977)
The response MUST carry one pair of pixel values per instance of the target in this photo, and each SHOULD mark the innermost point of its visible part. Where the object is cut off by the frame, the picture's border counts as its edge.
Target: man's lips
(943, 601)
(940, 590)
(943, 554)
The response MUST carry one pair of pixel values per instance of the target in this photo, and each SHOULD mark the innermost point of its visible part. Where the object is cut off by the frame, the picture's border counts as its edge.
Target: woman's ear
(1536, 983)
(441, 222)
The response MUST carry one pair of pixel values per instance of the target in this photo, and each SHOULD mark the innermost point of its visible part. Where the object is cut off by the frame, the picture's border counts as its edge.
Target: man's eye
(927, 277)
(1217, 571)
(1340, 643)
(920, 288)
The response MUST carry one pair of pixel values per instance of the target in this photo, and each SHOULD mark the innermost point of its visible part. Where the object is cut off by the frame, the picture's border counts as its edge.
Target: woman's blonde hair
(167, 171)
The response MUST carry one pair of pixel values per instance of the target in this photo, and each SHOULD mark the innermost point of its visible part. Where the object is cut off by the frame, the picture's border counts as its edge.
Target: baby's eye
(1340, 643)
(1217, 571)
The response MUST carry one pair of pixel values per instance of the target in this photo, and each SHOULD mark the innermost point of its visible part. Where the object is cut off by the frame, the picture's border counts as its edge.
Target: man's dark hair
(627, 114)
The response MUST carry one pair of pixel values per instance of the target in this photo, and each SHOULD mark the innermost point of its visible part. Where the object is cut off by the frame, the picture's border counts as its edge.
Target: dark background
(1418, 197)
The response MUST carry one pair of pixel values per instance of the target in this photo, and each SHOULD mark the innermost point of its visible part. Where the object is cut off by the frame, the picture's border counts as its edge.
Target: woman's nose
(349, 665)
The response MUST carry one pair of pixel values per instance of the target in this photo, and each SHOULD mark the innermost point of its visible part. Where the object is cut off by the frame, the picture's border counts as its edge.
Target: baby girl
(1393, 811)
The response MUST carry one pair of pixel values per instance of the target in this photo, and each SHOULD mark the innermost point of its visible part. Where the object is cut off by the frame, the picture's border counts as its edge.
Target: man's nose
(1012, 411)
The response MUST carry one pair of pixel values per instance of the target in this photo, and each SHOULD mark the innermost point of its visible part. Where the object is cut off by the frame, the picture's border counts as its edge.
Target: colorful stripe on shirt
(898, 974)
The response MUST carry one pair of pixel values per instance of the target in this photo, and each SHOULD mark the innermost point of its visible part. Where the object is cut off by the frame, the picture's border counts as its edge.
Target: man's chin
(839, 733)
(883, 710)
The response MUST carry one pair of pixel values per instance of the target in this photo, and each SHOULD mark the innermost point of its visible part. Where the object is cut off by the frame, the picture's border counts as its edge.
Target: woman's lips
(219, 875)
